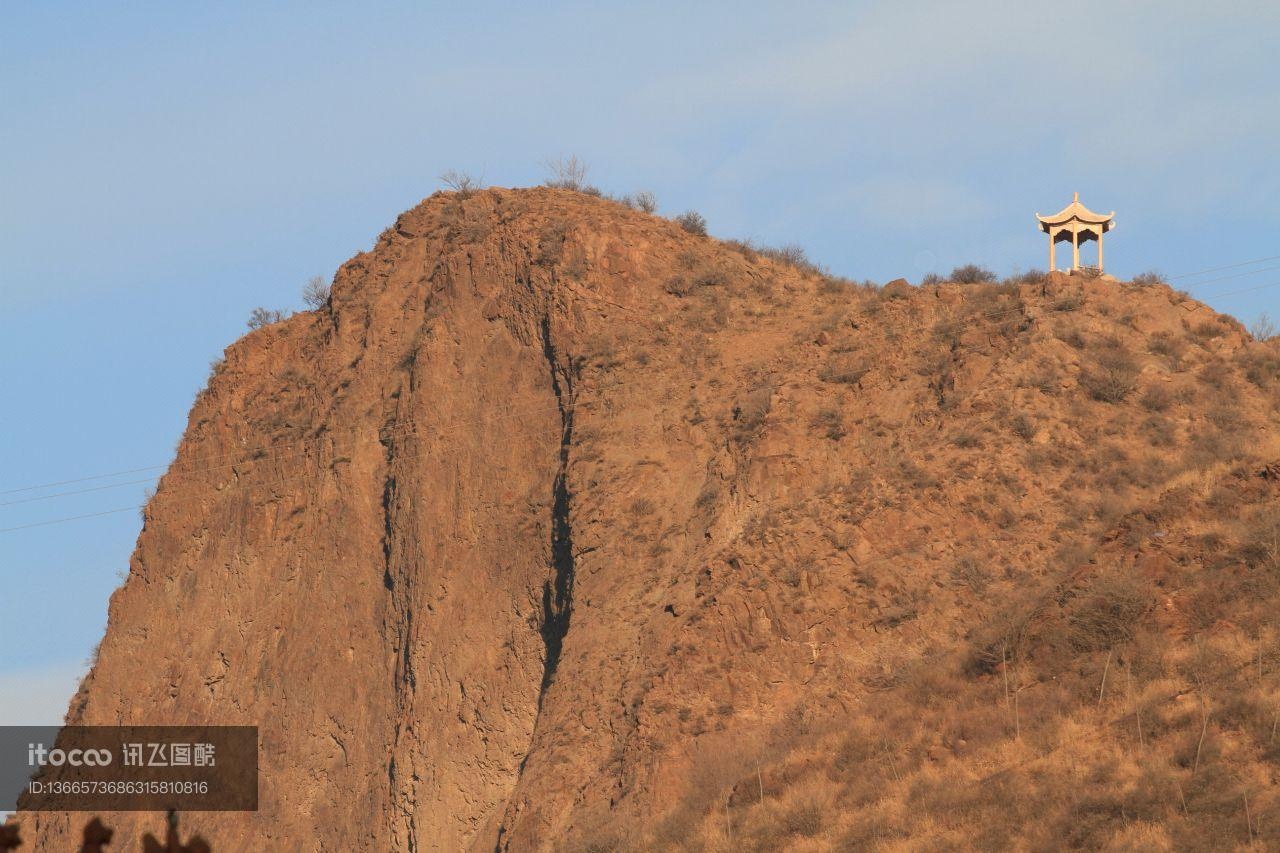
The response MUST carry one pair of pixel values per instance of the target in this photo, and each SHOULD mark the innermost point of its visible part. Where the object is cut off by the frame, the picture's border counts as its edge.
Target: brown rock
(524, 543)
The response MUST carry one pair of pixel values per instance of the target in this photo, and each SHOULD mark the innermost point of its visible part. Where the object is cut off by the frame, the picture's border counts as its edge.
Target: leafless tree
(567, 173)
(260, 317)
(464, 184)
(316, 292)
(1262, 328)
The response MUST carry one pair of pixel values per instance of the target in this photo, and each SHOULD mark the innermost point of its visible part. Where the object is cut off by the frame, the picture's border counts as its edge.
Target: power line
(1227, 267)
(410, 430)
(1200, 284)
(250, 456)
(69, 518)
(80, 491)
(246, 456)
(401, 429)
(240, 486)
(242, 457)
(1246, 290)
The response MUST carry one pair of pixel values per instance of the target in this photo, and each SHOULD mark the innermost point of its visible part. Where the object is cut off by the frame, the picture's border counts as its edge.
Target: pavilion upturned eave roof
(1076, 210)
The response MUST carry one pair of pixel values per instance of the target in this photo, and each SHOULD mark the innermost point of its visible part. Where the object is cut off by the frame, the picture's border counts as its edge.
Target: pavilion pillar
(1052, 245)
(1099, 250)
(1075, 250)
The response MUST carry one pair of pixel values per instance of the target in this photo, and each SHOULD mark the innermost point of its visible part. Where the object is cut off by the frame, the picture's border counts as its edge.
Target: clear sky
(166, 167)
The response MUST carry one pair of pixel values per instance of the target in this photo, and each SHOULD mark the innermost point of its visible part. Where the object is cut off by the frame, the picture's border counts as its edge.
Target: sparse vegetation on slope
(618, 537)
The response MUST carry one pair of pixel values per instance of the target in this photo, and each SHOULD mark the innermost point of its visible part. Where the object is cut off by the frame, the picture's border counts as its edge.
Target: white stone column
(1075, 249)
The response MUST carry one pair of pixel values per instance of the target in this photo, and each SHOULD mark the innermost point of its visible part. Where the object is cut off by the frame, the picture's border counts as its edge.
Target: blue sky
(166, 167)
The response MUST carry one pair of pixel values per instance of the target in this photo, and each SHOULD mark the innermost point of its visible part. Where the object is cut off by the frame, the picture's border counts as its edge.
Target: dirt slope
(562, 528)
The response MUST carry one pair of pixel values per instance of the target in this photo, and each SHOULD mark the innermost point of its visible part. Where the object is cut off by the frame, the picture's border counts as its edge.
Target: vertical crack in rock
(398, 624)
(557, 592)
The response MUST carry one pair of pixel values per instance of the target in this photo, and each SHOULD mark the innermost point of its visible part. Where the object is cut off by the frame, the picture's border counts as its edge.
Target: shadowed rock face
(561, 526)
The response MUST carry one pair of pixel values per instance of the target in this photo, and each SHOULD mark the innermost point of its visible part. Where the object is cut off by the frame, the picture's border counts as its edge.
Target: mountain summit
(562, 527)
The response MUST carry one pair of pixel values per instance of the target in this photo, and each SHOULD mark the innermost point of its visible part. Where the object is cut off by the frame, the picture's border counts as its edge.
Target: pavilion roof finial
(1075, 196)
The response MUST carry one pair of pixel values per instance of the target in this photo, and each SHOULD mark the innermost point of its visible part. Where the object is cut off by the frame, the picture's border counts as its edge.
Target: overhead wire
(254, 455)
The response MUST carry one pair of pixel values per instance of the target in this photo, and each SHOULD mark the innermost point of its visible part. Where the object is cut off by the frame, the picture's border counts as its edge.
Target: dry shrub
(693, 222)
(261, 317)
(869, 830)
(643, 201)
(698, 276)
(750, 411)
(642, 507)
(1208, 330)
(805, 817)
(569, 173)
(972, 274)
(1259, 546)
(1071, 337)
(461, 183)
(969, 571)
(316, 293)
(1163, 343)
(790, 255)
(1069, 302)
(1107, 611)
(1160, 431)
(1216, 374)
(1113, 377)
(831, 423)
(1157, 399)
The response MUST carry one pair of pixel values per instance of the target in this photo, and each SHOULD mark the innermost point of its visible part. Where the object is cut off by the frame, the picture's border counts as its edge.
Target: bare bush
(830, 422)
(788, 254)
(1107, 611)
(644, 201)
(462, 183)
(750, 411)
(1157, 399)
(693, 222)
(316, 292)
(260, 317)
(1209, 330)
(1028, 277)
(1262, 328)
(792, 255)
(1163, 343)
(805, 817)
(972, 274)
(1149, 278)
(1113, 378)
(568, 173)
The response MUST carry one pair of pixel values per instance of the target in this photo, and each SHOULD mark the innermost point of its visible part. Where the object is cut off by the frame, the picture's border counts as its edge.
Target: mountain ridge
(636, 526)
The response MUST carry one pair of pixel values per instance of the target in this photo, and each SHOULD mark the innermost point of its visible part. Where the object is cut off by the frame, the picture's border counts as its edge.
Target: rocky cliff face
(562, 528)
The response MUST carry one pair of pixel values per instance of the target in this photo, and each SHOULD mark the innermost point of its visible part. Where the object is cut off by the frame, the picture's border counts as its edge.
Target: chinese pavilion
(1076, 224)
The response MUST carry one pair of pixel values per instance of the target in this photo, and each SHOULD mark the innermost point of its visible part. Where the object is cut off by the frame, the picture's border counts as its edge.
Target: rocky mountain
(564, 528)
